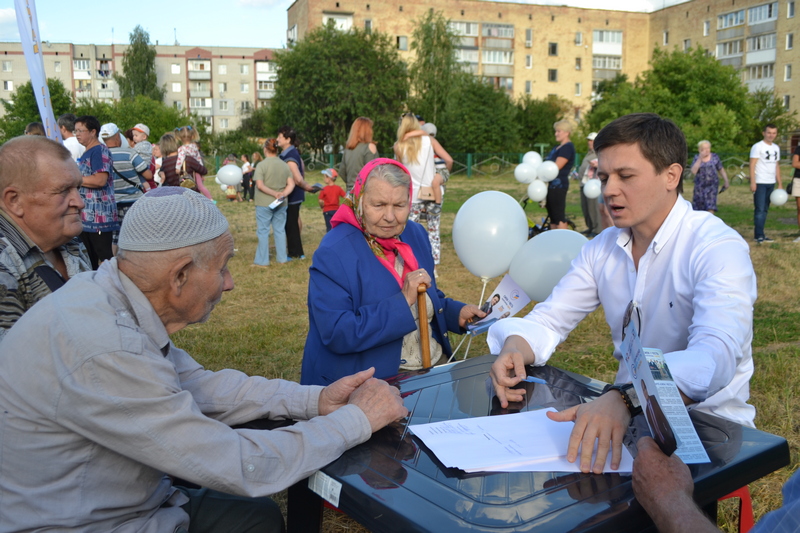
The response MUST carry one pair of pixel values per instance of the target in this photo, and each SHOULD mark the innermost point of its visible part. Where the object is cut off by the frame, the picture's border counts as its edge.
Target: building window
(223, 86)
(498, 30)
(175, 68)
(466, 56)
(731, 48)
(786, 99)
(789, 41)
(223, 105)
(245, 87)
(177, 105)
(245, 107)
(199, 102)
(498, 57)
(340, 22)
(402, 42)
(528, 88)
(223, 123)
(8, 85)
(706, 28)
(759, 72)
(77, 64)
(666, 37)
(552, 49)
(607, 62)
(57, 66)
(578, 38)
(577, 63)
(222, 69)
(552, 74)
(687, 44)
(762, 13)
(7, 66)
(607, 36)
(730, 19)
(762, 42)
(291, 34)
(578, 89)
(266, 85)
(790, 11)
(244, 69)
(787, 73)
(466, 29)
(176, 87)
(368, 26)
(529, 61)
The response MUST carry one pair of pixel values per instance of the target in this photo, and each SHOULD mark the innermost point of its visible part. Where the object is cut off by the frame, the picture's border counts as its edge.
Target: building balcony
(504, 44)
(730, 33)
(266, 94)
(200, 94)
(105, 93)
(199, 74)
(498, 70)
(201, 111)
(83, 93)
(763, 27)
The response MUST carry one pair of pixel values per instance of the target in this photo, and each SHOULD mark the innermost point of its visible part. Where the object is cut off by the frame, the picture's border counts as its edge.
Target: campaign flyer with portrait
(666, 415)
(505, 301)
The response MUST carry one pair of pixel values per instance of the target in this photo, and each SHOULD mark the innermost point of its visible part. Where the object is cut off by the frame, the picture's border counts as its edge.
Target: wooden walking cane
(422, 312)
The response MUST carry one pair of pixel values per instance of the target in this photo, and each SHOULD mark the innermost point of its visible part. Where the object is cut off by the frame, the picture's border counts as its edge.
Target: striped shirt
(25, 274)
(127, 164)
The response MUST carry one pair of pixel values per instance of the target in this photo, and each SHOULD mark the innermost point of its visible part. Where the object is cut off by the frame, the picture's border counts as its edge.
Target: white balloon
(230, 175)
(217, 180)
(525, 173)
(223, 187)
(537, 190)
(489, 229)
(592, 188)
(542, 261)
(778, 197)
(532, 158)
(547, 171)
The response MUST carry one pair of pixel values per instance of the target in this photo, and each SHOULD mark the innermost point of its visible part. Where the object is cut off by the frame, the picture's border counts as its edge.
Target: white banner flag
(31, 45)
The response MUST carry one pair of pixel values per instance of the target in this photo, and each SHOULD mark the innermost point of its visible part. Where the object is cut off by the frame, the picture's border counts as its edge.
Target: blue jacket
(357, 314)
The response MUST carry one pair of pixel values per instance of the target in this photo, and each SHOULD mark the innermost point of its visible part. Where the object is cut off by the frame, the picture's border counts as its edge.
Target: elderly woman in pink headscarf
(362, 291)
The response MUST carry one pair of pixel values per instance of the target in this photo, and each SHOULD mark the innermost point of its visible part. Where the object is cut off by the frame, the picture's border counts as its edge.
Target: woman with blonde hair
(358, 151)
(416, 150)
(563, 155)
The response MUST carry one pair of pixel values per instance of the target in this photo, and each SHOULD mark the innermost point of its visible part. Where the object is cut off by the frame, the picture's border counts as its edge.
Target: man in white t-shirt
(765, 171)
(66, 124)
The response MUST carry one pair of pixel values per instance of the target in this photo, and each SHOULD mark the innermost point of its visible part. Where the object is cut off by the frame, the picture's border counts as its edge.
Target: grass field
(260, 327)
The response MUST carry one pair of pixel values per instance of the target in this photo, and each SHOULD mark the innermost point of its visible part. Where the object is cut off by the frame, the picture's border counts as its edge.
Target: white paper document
(520, 442)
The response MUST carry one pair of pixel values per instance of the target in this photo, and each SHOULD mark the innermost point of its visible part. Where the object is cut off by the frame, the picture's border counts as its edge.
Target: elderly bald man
(94, 422)
(40, 219)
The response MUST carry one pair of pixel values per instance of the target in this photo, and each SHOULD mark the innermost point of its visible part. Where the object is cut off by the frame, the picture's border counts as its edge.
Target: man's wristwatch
(629, 396)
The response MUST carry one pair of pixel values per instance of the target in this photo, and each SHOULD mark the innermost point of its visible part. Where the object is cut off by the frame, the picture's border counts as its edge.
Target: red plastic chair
(746, 520)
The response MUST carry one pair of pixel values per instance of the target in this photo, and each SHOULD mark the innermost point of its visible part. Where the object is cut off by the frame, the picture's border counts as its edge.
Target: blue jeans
(266, 217)
(761, 201)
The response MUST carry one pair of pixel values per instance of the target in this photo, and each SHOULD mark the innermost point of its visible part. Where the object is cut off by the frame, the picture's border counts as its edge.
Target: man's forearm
(681, 516)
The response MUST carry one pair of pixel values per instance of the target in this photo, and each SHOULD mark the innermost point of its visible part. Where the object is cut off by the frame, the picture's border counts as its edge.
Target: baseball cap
(144, 129)
(330, 172)
(108, 130)
(429, 128)
(591, 136)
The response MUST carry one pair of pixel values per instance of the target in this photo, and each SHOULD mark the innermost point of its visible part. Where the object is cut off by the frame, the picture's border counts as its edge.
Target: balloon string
(485, 282)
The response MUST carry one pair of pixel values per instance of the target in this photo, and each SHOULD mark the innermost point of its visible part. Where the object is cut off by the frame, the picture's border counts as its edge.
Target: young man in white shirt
(66, 123)
(765, 171)
(687, 274)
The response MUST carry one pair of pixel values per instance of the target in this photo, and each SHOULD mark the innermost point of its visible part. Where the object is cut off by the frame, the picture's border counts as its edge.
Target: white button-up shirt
(695, 287)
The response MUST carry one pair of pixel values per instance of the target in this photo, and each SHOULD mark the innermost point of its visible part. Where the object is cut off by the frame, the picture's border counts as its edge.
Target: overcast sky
(251, 23)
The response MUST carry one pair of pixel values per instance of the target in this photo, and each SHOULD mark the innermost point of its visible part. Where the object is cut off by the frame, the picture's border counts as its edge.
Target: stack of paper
(521, 442)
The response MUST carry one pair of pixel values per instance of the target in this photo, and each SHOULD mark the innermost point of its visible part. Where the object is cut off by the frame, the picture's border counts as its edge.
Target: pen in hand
(531, 379)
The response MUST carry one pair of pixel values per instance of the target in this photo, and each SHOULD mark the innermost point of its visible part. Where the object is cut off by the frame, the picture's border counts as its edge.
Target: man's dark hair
(660, 140)
(90, 122)
(67, 121)
(770, 126)
(289, 133)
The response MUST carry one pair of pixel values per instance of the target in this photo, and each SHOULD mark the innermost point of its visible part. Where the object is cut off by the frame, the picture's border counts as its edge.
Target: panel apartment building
(220, 84)
(566, 51)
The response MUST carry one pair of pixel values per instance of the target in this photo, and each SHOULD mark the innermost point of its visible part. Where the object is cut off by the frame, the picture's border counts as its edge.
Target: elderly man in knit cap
(100, 408)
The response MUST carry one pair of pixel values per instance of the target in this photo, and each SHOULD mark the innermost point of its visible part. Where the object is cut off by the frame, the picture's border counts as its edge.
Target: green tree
(435, 69)
(535, 119)
(22, 108)
(126, 113)
(256, 123)
(330, 78)
(705, 98)
(232, 142)
(139, 69)
(768, 109)
(478, 118)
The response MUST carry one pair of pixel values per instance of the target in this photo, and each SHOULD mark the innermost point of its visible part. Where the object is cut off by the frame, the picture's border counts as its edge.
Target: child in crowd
(189, 137)
(329, 196)
(142, 146)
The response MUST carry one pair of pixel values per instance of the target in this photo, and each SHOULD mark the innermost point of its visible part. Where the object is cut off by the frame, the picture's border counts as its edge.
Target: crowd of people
(127, 422)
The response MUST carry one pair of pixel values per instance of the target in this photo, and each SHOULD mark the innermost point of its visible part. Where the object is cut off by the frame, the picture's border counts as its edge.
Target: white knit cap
(167, 218)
